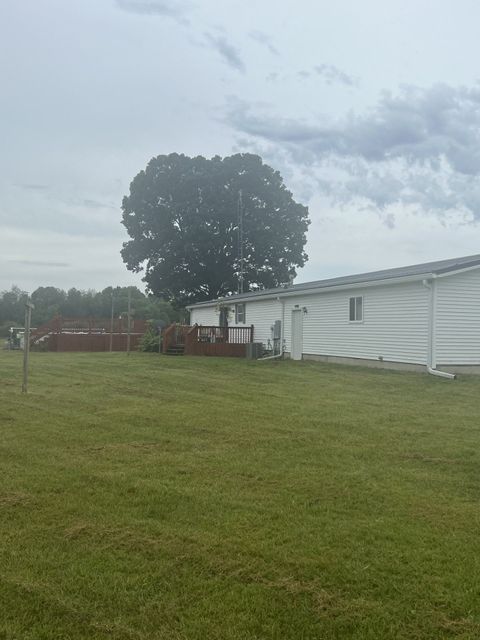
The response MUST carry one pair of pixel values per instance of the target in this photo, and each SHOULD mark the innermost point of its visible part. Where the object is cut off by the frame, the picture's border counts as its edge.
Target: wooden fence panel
(91, 342)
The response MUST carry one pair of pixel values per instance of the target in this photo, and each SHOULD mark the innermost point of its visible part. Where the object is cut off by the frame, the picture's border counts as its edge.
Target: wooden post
(251, 333)
(111, 326)
(26, 344)
(128, 320)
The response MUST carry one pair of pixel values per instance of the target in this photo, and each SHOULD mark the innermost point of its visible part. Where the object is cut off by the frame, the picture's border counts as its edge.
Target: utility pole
(240, 243)
(26, 344)
(111, 325)
(128, 320)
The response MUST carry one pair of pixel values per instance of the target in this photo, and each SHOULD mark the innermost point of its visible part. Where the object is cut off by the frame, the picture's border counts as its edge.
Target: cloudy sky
(370, 110)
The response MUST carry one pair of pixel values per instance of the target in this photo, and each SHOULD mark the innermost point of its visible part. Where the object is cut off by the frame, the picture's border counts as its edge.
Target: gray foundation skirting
(397, 366)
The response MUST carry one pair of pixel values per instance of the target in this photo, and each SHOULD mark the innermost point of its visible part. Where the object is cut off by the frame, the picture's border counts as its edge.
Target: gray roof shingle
(438, 267)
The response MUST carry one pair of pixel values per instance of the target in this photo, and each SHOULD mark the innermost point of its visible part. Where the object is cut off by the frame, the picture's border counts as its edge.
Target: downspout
(282, 329)
(431, 364)
(278, 355)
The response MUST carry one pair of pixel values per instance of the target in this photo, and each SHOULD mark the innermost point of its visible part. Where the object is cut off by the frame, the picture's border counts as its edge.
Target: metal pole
(111, 325)
(128, 319)
(26, 344)
(240, 243)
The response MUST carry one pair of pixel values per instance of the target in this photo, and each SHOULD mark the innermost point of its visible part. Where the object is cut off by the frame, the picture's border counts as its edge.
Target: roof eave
(306, 292)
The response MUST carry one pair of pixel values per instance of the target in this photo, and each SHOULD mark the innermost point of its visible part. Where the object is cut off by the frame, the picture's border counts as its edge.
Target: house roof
(427, 268)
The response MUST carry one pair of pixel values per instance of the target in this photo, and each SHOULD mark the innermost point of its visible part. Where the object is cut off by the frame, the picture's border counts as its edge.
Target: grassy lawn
(196, 498)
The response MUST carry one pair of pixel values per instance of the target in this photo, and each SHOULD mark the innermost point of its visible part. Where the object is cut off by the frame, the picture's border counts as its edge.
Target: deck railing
(218, 341)
(229, 335)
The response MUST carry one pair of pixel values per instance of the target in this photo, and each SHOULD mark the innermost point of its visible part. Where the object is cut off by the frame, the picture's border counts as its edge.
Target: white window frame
(355, 320)
(243, 314)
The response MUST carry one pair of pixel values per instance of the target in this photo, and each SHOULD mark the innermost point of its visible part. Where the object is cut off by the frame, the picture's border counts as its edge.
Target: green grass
(197, 498)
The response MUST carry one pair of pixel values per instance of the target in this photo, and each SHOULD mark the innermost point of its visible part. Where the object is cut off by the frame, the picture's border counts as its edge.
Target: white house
(423, 315)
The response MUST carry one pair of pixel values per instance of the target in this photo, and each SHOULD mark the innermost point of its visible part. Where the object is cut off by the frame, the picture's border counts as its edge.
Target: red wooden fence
(91, 342)
(88, 334)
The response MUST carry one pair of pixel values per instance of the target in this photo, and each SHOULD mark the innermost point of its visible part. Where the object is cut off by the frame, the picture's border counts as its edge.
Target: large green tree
(182, 218)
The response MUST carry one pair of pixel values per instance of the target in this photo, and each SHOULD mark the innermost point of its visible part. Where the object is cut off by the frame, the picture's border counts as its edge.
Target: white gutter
(432, 309)
(457, 271)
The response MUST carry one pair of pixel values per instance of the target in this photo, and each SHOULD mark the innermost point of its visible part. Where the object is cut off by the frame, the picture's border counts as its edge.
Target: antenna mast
(240, 243)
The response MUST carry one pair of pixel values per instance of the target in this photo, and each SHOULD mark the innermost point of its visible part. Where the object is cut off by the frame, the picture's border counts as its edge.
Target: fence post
(128, 316)
(26, 344)
(111, 325)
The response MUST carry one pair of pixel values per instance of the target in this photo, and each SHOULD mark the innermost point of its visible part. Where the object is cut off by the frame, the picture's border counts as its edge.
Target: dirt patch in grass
(15, 499)
(431, 459)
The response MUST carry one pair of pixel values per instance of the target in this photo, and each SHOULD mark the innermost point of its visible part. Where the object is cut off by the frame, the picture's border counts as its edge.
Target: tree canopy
(50, 301)
(182, 217)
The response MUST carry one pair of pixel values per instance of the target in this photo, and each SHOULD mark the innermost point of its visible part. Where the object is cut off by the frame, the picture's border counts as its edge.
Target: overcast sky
(370, 110)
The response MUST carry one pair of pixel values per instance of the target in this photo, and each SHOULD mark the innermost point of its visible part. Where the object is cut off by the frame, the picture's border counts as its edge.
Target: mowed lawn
(196, 498)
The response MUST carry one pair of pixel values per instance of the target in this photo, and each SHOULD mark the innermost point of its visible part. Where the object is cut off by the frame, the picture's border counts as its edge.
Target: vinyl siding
(207, 316)
(262, 315)
(394, 326)
(457, 328)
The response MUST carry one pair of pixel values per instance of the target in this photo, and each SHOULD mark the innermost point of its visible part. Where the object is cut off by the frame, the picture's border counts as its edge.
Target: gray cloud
(33, 187)
(58, 211)
(97, 204)
(435, 191)
(228, 52)
(176, 9)
(282, 131)
(333, 75)
(272, 77)
(420, 126)
(265, 40)
(420, 147)
(40, 263)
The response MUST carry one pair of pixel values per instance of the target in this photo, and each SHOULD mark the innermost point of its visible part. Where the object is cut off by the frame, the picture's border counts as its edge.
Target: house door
(297, 334)
(223, 321)
(222, 333)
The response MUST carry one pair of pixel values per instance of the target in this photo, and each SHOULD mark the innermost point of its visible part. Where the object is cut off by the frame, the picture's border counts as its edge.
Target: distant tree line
(50, 301)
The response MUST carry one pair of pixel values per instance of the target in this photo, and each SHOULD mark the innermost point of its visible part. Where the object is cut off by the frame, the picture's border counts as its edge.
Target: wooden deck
(200, 340)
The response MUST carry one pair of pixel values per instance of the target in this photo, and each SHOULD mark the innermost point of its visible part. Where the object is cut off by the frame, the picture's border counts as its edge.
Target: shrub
(151, 340)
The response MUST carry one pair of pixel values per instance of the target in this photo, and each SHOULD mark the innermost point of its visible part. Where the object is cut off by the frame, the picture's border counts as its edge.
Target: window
(356, 309)
(240, 313)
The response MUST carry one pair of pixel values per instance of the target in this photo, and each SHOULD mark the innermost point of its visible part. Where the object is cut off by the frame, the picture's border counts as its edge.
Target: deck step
(177, 350)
